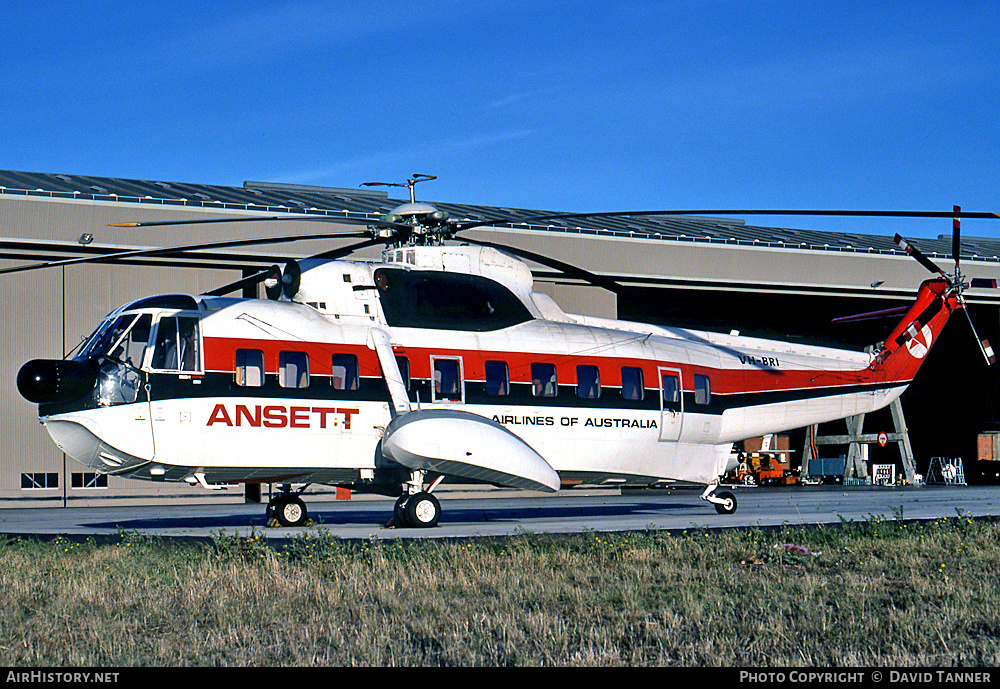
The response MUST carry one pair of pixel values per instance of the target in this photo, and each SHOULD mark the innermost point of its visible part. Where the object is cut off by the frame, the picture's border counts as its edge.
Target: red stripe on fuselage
(220, 356)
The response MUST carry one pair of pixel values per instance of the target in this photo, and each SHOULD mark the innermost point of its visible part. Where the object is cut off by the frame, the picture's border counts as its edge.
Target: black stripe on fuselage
(169, 386)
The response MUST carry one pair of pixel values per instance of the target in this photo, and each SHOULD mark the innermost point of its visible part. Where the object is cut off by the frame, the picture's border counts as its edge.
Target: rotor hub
(422, 224)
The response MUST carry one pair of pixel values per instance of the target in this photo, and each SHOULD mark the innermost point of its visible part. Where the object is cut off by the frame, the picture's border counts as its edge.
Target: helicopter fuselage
(216, 390)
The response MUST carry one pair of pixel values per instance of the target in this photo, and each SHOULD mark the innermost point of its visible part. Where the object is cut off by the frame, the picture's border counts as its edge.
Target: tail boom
(907, 346)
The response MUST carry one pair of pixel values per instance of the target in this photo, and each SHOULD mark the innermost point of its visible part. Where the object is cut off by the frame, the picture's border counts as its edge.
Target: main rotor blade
(262, 218)
(248, 281)
(461, 226)
(872, 315)
(614, 214)
(566, 268)
(346, 250)
(257, 278)
(139, 253)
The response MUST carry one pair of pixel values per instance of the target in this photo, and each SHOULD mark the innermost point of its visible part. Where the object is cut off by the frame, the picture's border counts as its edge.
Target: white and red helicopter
(441, 361)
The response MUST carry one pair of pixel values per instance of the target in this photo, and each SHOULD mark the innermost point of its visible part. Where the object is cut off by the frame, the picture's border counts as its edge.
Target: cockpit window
(177, 345)
(120, 355)
(447, 301)
(131, 348)
(111, 340)
(106, 335)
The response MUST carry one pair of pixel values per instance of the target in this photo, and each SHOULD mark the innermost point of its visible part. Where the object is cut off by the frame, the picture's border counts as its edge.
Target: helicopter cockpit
(108, 368)
(121, 344)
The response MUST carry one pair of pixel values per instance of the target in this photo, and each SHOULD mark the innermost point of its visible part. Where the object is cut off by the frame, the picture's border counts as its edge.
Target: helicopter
(440, 361)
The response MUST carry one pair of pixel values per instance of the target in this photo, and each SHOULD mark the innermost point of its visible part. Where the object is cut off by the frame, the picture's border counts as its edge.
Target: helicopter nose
(44, 381)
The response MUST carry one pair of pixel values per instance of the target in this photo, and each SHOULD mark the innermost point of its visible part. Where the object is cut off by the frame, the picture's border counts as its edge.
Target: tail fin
(906, 348)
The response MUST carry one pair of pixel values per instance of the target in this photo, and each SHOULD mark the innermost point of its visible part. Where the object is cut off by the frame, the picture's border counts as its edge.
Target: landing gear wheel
(422, 510)
(728, 504)
(290, 511)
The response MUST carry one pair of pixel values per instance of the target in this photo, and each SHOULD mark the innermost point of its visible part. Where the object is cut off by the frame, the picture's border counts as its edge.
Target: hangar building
(707, 273)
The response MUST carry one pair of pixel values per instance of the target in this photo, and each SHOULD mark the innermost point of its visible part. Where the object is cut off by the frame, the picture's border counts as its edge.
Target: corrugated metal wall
(46, 313)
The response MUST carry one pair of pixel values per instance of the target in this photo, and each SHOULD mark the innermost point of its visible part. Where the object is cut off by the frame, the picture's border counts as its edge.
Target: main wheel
(728, 504)
(291, 511)
(422, 510)
(399, 511)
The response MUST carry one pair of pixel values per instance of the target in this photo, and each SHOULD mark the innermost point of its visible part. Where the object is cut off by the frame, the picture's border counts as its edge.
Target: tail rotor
(956, 281)
(956, 247)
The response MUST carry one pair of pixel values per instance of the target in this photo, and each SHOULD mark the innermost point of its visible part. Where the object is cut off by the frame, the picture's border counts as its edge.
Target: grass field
(884, 592)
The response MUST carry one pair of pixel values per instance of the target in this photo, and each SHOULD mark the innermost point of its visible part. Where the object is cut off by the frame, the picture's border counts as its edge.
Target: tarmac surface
(500, 513)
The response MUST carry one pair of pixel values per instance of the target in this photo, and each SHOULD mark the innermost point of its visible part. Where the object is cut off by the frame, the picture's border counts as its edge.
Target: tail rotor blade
(984, 345)
(915, 252)
(956, 239)
(987, 350)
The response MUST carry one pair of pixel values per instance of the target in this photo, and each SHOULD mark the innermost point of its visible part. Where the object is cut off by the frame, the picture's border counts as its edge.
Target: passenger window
(404, 370)
(671, 390)
(632, 384)
(345, 372)
(702, 389)
(293, 369)
(177, 347)
(249, 368)
(447, 380)
(588, 382)
(543, 380)
(497, 378)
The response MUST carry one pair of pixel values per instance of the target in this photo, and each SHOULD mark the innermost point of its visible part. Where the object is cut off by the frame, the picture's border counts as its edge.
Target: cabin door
(175, 383)
(449, 384)
(671, 404)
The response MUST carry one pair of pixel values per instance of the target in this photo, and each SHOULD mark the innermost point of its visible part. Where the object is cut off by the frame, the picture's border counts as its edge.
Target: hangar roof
(296, 198)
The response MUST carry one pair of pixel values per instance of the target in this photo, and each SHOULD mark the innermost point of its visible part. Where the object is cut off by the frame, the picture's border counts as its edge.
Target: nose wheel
(726, 504)
(723, 500)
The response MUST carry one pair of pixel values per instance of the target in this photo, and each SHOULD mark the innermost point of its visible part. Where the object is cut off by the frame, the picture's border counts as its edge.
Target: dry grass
(873, 594)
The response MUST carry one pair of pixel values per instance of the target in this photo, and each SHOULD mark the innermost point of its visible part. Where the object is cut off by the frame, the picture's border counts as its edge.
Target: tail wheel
(422, 510)
(727, 504)
(291, 511)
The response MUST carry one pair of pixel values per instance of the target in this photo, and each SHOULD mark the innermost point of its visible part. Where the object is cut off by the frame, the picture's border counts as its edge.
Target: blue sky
(565, 106)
